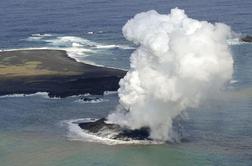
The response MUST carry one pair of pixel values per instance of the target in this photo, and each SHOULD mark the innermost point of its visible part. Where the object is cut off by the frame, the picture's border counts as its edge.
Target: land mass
(52, 71)
(98, 127)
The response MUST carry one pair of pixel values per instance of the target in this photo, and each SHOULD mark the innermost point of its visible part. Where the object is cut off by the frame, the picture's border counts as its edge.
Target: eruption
(179, 63)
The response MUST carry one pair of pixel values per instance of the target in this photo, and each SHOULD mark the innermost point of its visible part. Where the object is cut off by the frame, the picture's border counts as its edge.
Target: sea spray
(179, 63)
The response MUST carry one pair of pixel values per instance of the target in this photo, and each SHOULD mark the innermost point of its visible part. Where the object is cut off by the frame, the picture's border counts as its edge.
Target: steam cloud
(179, 62)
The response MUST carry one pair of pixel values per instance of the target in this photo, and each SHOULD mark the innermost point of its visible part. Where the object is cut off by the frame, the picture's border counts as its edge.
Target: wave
(76, 47)
(73, 41)
(112, 46)
(106, 93)
(30, 48)
(92, 101)
(91, 32)
(235, 41)
(40, 94)
(37, 37)
(69, 41)
(42, 35)
(75, 133)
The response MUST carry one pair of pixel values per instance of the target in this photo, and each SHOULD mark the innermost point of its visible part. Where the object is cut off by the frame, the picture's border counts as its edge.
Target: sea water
(33, 129)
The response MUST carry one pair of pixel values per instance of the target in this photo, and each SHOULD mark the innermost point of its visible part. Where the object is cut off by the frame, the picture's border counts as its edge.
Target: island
(101, 128)
(53, 71)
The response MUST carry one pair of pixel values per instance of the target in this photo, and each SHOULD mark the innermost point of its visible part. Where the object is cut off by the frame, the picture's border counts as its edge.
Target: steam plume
(179, 62)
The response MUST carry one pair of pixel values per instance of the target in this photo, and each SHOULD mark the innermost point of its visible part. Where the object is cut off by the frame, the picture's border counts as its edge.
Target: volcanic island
(53, 71)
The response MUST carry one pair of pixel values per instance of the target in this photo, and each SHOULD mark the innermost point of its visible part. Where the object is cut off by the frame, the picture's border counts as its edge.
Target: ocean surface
(34, 129)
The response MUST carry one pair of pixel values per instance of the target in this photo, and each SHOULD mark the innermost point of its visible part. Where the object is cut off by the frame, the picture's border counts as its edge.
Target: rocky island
(101, 128)
(52, 71)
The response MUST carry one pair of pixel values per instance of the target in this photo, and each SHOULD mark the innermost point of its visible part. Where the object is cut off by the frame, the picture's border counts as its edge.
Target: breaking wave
(235, 41)
(76, 47)
(40, 94)
(106, 93)
(92, 101)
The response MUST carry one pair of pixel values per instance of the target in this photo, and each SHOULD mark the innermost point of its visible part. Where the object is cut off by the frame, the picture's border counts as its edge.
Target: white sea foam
(67, 41)
(92, 101)
(37, 37)
(40, 94)
(112, 46)
(13, 95)
(74, 41)
(75, 133)
(235, 41)
(86, 94)
(42, 35)
(77, 47)
(106, 93)
(31, 48)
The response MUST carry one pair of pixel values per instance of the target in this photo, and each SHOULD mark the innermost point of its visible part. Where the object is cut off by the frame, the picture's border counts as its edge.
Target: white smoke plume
(180, 61)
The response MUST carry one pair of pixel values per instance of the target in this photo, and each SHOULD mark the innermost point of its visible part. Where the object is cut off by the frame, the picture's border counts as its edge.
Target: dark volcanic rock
(59, 86)
(96, 126)
(246, 39)
(100, 125)
(138, 134)
(90, 99)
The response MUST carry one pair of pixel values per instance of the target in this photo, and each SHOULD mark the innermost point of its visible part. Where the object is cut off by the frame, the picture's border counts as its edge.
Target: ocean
(34, 129)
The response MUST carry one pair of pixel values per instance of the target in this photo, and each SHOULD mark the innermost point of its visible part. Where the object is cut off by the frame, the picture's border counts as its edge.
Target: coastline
(60, 49)
(54, 72)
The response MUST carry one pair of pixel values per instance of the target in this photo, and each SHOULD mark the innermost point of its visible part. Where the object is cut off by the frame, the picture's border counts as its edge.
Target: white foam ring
(75, 133)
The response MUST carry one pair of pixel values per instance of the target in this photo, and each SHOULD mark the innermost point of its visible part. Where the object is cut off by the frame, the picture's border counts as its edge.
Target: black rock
(246, 39)
(98, 127)
(137, 134)
(88, 99)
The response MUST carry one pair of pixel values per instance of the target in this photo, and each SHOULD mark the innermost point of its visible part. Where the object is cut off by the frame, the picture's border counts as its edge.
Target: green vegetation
(37, 62)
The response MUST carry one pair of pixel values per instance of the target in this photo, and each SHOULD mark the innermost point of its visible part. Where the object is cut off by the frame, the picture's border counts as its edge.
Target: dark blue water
(218, 133)
(20, 19)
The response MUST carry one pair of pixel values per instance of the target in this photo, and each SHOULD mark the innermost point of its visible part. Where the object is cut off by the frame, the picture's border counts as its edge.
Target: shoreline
(59, 49)
(55, 73)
